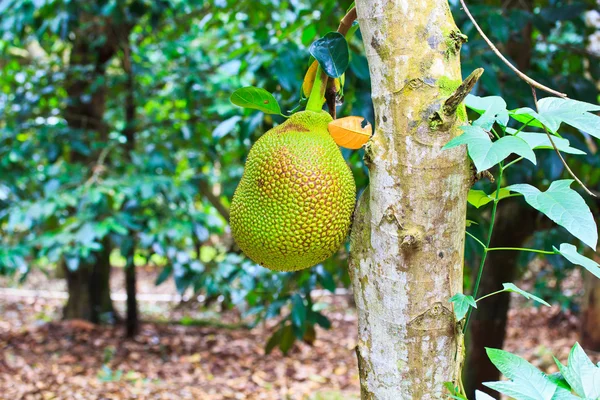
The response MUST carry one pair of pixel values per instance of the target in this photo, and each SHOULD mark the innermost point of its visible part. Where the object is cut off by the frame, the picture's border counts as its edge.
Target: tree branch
(530, 81)
(558, 151)
(214, 200)
(347, 21)
(452, 103)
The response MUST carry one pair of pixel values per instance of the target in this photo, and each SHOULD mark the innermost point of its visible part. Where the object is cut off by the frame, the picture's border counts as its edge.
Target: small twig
(347, 21)
(556, 148)
(99, 167)
(520, 74)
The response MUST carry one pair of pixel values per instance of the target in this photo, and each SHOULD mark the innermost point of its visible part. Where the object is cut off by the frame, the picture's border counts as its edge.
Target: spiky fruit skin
(293, 206)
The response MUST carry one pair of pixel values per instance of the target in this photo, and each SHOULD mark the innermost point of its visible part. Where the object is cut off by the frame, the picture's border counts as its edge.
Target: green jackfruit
(293, 206)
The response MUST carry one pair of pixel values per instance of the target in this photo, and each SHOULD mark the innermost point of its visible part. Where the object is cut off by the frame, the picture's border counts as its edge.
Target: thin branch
(347, 21)
(331, 94)
(476, 239)
(99, 167)
(520, 74)
(558, 151)
(214, 200)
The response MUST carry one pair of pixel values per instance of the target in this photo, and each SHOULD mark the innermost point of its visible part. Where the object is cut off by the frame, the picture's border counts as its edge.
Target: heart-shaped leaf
(492, 109)
(569, 252)
(564, 206)
(350, 132)
(331, 51)
(462, 303)
(526, 382)
(255, 98)
(479, 198)
(540, 141)
(581, 374)
(511, 287)
(553, 111)
(485, 153)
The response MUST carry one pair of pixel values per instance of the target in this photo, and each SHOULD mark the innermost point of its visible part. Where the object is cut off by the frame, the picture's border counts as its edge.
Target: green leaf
(478, 198)
(581, 373)
(331, 51)
(164, 274)
(72, 263)
(325, 279)
(559, 379)
(462, 303)
(564, 394)
(482, 396)
(287, 339)
(492, 110)
(564, 206)
(485, 153)
(569, 252)
(273, 341)
(322, 320)
(540, 141)
(255, 98)
(511, 287)
(298, 311)
(526, 381)
(454, 391)
(553, 111)
(226, 127)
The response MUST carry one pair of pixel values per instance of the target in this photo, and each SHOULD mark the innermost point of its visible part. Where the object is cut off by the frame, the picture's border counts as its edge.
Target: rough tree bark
(407, 239)
(590, 313)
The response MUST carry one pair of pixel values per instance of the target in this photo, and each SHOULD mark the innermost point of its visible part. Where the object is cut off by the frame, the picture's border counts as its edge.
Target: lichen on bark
(408, 234)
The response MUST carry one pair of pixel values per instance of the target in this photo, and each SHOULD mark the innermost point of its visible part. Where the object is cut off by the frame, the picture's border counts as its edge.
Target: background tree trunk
(407, 240)
(132, 324)
(515, 222)
(89, 288)
(590, 313)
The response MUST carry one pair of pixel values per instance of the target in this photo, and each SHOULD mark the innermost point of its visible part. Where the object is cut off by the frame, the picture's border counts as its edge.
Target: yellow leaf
(349, 132)
(309, 80)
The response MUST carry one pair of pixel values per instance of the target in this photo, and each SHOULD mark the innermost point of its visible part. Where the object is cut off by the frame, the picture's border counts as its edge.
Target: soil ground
(44, 358)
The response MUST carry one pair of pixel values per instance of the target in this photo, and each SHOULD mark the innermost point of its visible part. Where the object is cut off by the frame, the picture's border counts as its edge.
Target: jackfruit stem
(317, 93)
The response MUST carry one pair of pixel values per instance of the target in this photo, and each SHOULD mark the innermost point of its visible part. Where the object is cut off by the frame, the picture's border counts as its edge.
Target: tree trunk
(129, 132)
(89, 289)
(515, 222)
(407, 241)
(590, 313)
(131, 289)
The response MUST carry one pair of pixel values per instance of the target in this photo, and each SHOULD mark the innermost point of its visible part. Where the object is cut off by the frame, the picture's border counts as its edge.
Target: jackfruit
(293, 205)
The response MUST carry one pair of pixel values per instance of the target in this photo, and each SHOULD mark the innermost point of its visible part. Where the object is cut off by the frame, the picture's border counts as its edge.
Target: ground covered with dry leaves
(43, 358)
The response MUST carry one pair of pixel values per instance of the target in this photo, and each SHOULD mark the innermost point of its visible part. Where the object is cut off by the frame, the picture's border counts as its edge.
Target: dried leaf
(349, 132)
